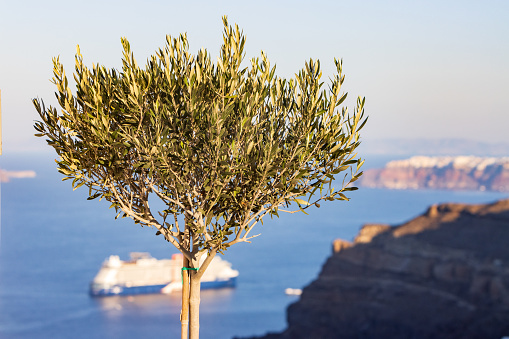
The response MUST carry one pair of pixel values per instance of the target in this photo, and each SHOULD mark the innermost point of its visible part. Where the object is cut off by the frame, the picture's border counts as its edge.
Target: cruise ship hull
(155, 289)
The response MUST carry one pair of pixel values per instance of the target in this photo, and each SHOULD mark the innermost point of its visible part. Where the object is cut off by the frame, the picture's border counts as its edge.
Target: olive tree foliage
(220, 142)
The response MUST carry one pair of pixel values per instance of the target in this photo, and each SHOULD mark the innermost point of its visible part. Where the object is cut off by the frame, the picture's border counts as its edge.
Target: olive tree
(221, 143)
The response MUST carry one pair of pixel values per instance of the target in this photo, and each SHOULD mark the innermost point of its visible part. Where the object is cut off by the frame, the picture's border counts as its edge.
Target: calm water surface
(53, 242)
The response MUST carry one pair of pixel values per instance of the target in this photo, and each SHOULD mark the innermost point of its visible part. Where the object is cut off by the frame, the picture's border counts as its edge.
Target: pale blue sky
(434, 69)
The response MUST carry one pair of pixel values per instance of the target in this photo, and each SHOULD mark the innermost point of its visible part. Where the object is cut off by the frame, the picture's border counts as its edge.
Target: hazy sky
(427, 68)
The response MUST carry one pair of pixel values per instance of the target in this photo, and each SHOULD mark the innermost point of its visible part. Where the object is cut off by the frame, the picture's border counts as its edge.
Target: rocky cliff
(444, 274)
(462, 172)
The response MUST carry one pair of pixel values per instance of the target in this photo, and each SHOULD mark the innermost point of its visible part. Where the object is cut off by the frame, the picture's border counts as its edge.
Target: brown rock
(340, 244)
(369, 231)
(444, 274)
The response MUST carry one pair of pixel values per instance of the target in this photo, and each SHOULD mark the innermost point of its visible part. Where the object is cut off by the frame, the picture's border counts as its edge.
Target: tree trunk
(194, 306)
(194, 296)
(194, 274)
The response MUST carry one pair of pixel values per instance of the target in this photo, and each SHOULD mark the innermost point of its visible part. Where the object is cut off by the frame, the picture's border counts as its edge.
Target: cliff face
(472, 173)
(445, 274)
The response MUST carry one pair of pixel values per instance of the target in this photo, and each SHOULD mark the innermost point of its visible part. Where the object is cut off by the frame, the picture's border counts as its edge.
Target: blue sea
(53, 242)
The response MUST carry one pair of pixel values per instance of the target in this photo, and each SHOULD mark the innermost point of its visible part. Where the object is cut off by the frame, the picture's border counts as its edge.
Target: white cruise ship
(144, 274)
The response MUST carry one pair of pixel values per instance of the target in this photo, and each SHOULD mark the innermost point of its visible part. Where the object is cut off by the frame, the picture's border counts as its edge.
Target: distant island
(6, 176)
(444, 172)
